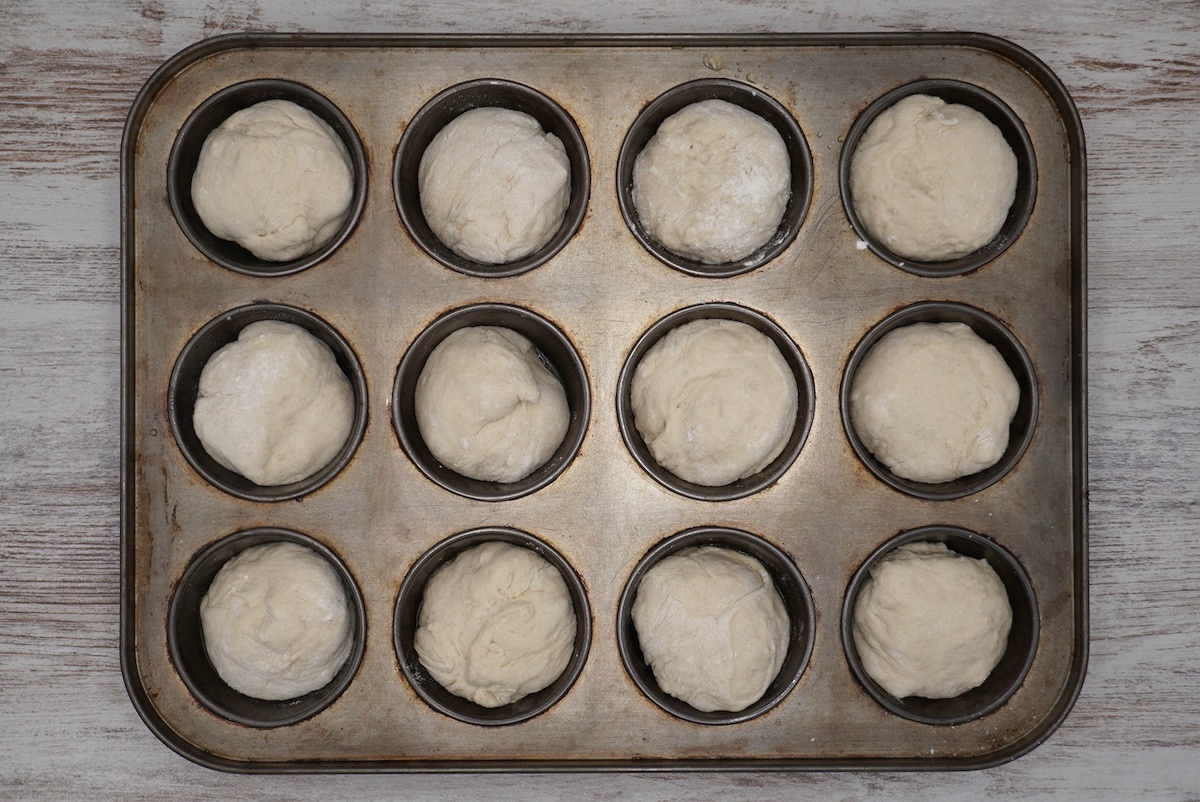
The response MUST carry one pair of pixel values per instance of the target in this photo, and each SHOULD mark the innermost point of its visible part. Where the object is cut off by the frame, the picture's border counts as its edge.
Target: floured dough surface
(933, 402)
(932, 181)
(714, 400)
(930, 622)
(494, 186)
(713, 182)
(274, 178)
(711, 627)
(487, 407)
(276, 622)
(496, 624)
(273, 405)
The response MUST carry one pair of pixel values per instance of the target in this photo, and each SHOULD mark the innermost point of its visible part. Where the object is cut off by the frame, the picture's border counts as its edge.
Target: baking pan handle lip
(1061, 99)
(1006, 48)
(204, 48)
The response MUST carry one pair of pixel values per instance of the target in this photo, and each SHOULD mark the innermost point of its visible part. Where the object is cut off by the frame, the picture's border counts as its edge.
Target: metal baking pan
(598, 289)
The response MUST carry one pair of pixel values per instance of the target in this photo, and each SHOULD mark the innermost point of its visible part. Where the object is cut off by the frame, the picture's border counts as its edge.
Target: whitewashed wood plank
(68, 72)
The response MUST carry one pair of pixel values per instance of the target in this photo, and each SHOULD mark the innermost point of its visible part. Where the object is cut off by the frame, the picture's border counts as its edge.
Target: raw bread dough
(932, 181)
(714, 401)
(274, 178)
(496, 624)
(487, 407)
(494, 186)
(930, 622)
(276, 622)
(713, 182)
(711, 627)
(933, 402)
(273, 405)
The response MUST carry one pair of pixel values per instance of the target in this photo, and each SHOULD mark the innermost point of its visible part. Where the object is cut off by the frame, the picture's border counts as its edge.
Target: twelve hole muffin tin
(385, 513)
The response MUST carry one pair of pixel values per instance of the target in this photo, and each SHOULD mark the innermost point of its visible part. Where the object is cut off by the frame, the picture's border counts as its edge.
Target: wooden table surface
(68, 73)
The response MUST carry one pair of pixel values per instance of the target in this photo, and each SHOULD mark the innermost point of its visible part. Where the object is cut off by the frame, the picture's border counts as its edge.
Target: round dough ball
(276, 622)
(930, 622)
(713, 182)
(711, 627)
(933, 402)
(487, 407)
(932, 181)
(273, 405)
(494, 186)
(496, 624)
(275, 179)
(714, 401)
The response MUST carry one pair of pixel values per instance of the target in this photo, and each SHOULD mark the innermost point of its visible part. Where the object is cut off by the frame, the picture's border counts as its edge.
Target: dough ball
(273, 405)
(932, 181)
(275, 179)
(496, 624)
(487, 407)
(494, 186)
(711, 627)
(933, 402)
(714, 401)
(930, 622)
(713, 182)
(276, 622)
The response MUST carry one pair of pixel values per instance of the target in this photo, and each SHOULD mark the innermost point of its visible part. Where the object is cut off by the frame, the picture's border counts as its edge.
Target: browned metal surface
(380, 290)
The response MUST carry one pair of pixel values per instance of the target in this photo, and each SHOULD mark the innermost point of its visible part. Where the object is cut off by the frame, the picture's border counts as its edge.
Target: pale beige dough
(714, 400)
(494, 186)
(930, 622)
(273, 405)
(274, 178)
(712, 627)
(713, 182)
(487, 407)
(933, 402)
(495, 624)
(276, 622)
(932, 181)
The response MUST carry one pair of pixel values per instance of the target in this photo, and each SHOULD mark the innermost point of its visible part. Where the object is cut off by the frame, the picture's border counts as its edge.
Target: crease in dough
(933, 181)
(714, 401)
(496, 624)
(487, 407)
(934, 401)
(930, 622)
(273, 406)
(712, 627)
(713, 182)
(274, 178)
(494, 186)
(276, 622)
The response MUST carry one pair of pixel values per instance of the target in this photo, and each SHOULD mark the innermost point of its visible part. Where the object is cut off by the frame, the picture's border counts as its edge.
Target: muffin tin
(386, 513)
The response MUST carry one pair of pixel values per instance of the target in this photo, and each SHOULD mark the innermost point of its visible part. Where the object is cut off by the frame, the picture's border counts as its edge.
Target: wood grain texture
(68, 73)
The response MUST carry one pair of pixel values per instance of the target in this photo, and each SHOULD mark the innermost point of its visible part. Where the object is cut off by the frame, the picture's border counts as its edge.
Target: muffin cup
(804, 407)
(185, 637)
(1020, 430)
(185, 382)
(996, 111)
(645, 126)
(792, 590)
(555, 351)
(1008, 675)
(185, 153)
(408, 606)
(440, 111)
